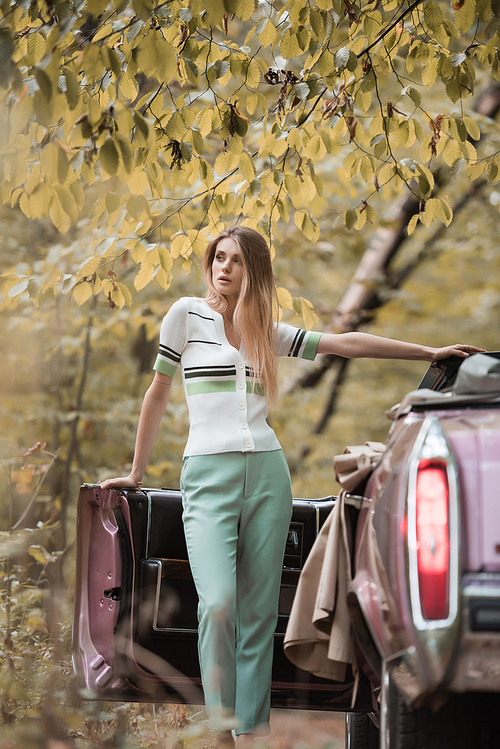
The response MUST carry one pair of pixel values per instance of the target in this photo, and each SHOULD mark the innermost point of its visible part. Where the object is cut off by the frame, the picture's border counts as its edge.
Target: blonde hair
(253, 315)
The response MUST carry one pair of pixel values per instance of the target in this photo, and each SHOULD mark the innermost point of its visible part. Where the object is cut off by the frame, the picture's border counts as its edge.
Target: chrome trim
(385, 740)
(149, 523)
(481, 592)
(348, 721)
(432, 443)
(317, 520)
(159, 570)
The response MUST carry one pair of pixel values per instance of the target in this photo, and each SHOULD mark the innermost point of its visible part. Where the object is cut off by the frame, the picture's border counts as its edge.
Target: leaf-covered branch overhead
(163, 121)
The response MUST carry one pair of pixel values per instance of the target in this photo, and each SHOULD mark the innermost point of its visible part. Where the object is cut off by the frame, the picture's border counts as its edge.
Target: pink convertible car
(424, 600)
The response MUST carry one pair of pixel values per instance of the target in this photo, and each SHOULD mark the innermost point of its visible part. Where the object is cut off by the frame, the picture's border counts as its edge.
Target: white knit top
(227, 411)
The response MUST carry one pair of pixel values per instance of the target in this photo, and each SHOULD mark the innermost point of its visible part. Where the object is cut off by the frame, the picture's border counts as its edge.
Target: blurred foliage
(164, 121)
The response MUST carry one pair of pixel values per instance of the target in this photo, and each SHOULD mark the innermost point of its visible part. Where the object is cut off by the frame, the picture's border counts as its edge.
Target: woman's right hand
(123, 482)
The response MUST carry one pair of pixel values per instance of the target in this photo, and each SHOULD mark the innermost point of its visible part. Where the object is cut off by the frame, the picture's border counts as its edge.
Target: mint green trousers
(237, 511)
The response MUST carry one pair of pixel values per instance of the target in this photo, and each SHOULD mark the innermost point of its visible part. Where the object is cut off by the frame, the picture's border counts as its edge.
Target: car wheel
(449, 727)
(360, 732)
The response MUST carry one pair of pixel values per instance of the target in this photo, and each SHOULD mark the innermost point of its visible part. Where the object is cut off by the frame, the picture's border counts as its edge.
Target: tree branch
(389, 28)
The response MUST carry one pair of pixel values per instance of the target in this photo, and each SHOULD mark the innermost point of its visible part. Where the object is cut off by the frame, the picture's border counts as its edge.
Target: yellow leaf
(88, 267)
(267, 34)
(138, 253)
(308, 314)
(144, 277)
(41, 554)
(451, 151)
(245, 9)
(315, 149)
(126, 293)
(247, 167)
(285, 299)
(138, 182)
(165, 258)
(36, 49)
(205, 121)
(180, 245)
(82, 292)
(24, 204)
(412, 224)
(176, 127)
(289, 46)
(58, 216)
(128, 87)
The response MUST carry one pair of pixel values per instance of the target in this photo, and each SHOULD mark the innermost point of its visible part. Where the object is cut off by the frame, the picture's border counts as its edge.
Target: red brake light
(433, 538)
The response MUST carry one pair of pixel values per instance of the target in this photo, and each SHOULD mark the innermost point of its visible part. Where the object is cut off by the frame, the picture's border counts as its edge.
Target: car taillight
(433, 538)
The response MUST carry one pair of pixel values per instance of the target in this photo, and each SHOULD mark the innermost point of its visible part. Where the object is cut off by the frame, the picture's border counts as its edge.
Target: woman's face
(227, 268)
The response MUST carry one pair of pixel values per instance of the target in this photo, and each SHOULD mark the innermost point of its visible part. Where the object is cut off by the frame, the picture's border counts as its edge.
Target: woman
(235, 484)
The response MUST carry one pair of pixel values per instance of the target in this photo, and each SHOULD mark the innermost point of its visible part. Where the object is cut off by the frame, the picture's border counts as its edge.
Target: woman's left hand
(459, 349)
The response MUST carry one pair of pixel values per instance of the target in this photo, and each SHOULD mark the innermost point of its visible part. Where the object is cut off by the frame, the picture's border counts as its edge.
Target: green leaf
(72, 89)
(126, 152)
(141, 129)
(465, 16)
(350, 218)
(44, 83)
(326, 63)
(429, 73)
(109, 156)
(137, 205)
(414, 95)
(433, 15)
(49, 159)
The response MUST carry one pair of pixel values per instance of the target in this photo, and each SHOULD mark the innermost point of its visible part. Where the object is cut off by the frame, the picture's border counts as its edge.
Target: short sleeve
(173, 334)
(292, 341)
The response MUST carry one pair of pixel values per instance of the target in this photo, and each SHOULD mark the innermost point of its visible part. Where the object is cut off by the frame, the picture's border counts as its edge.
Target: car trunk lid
(474, 434)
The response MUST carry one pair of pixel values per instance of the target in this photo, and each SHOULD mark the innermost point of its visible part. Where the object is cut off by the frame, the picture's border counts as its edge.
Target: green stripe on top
(311, 346)
(164, 367)
(256, 389)
(210, 386)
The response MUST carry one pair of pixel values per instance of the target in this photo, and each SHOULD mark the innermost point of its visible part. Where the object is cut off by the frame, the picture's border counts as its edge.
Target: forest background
(360, 138)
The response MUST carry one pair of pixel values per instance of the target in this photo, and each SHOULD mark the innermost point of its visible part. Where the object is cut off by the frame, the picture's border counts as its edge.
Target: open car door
(135, 624)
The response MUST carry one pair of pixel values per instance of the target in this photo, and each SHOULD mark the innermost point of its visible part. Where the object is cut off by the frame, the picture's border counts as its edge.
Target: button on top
(241, 386)
(242, 406)
(240, 366)
(249, 444)
(244, 426)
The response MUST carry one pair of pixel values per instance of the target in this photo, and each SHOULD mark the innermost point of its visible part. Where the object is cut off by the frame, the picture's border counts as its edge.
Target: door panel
(135, 627)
